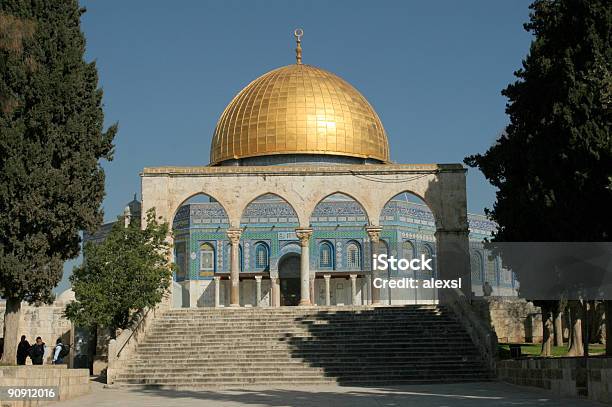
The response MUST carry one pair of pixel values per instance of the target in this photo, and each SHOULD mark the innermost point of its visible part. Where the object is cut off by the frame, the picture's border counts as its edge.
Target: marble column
(312, 291)
(217, 280)
(367, 290)
(234, 237)
(353, 289)
(374, 235)
(275, 294)
(258, 291)
(327, 278)
(304, 236)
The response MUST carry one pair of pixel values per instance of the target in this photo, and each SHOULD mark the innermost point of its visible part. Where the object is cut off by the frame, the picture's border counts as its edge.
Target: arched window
(491, 270)
(353, 256)
(261, 256)
(207, 259)
(407, 250)
(476, 265)
(426, 251)
(326, 256)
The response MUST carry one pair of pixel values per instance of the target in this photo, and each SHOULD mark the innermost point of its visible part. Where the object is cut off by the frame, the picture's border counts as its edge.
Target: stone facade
(303, 188)
(269, 226)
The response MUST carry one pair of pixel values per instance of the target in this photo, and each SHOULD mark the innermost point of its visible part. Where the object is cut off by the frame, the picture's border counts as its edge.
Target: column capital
(234, 235)
(374, 233)
(353, 276)
(258, 278)
(216, 278)
(304, 235)
(327, 276)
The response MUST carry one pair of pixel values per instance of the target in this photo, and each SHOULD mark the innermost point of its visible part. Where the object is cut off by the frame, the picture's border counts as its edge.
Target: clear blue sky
(432, 70)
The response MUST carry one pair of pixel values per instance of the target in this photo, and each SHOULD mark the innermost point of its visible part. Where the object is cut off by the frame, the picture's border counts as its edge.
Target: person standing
(59, 352)
(37, 352)
(23, 350)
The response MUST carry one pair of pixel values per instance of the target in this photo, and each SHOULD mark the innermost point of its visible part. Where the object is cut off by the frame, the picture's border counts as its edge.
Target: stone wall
(46, 321)
(562, 376)
(70, 382)
(515, 320)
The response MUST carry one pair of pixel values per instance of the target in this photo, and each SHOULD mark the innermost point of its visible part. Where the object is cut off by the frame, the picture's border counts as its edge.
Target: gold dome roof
(299, 109)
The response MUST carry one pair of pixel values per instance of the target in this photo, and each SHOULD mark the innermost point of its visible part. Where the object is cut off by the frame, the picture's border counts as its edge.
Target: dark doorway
(289, 274)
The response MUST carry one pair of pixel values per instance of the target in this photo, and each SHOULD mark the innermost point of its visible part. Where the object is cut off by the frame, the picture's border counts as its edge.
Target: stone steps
(202, 348)
(313, 351)
(297, 363)
(219, 324)
(356, 339)
(312, 358)
(248, 375)
(225, 382)
(289, 370)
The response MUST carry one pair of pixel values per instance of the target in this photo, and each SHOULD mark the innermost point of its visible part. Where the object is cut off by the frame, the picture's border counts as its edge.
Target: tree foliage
(51, 142)
(128, 271)
(553, 164)
(552, 167)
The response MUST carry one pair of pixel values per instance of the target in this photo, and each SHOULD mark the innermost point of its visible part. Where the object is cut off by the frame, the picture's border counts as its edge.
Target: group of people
(36, 352)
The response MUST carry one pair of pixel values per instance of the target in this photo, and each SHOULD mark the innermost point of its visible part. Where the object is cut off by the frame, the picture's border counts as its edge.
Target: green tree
(51, 143)
(128, 271)
(552, 167)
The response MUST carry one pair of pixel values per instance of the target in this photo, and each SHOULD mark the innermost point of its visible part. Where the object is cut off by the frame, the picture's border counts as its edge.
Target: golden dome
(299, 109)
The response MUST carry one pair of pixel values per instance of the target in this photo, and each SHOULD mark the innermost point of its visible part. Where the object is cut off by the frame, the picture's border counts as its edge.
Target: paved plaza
(439, 395)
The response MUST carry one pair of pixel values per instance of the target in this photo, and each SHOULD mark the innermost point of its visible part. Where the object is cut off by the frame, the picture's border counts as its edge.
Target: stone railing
(124, 345)
(482, 336)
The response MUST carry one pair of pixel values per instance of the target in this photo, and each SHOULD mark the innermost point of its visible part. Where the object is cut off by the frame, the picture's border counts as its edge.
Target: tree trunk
(12, 316)
(569, 324)
(559, 325)
(588, 322)
(596, 322)
(547, 328)
(608, 310)
(576, 311)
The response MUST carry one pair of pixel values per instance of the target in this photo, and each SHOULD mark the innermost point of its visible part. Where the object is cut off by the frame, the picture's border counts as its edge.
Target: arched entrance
(289, 274)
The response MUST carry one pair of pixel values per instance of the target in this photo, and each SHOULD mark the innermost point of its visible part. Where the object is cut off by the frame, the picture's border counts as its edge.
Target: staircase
(208, 347)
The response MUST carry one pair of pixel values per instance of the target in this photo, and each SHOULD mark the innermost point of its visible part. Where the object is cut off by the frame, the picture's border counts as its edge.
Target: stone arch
(289, 247)
(291, 218)
(186, 253)
(313, 208)
(174, 210)
(399, 215)
(389, 199)
(243, 205)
